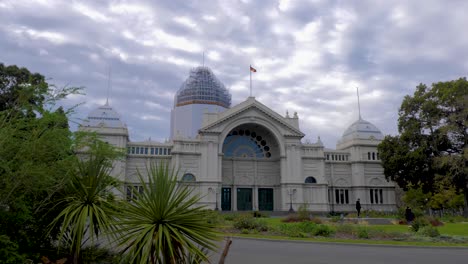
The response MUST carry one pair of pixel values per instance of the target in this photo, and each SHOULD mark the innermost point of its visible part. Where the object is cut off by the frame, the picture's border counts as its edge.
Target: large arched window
(246, 144)
(188, 177)
(310, 179)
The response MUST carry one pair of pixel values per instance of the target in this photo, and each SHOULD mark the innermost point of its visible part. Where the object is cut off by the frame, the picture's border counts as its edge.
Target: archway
(250, 168)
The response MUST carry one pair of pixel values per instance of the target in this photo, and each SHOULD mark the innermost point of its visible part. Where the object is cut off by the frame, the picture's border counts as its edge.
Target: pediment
(250, 111)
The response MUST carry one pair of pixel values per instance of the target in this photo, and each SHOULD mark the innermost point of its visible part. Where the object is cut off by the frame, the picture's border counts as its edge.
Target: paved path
(247, 251)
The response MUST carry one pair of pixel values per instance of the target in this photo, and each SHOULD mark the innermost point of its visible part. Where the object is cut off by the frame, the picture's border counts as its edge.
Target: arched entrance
(250, 169)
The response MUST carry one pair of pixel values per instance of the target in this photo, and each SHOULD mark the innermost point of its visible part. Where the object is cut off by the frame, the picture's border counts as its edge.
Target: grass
(351, 241)
(454, 229)
(452, 234)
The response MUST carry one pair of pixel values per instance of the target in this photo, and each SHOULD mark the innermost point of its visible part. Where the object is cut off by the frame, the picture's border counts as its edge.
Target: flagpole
(250, 70)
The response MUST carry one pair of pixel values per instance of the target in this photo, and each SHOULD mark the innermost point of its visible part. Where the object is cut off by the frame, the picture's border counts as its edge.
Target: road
(246, 251)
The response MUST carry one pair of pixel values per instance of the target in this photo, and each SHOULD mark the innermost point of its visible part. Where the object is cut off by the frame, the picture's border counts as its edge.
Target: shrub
(213, 217)
(316, 220)
(291, 218)
(345, 229)
(429, 231)
(435, 221)
(419, 223)
(322, 230)
(362, 233)
(301, 229)
(306, 227)
(303, 213)
(230, 216)
(245, 231)
(9, 251)
(247, 221)
(259, 214)
(335, 218)
(290, 230)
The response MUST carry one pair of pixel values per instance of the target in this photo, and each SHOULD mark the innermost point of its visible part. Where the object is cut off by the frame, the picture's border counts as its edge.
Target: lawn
(452, 234)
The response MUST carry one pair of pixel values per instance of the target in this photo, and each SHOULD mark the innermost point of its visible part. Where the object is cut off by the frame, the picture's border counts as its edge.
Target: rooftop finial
(359, 104)
(108, 85)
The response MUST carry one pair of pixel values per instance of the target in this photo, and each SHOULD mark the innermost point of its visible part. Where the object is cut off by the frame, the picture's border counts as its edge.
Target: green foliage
(213, 217)
(418, 223)
(415, 198)
(95, 255)
(164, 224)
(247, 221)
(432, 141)
(9, 251)
(305, 229)
(20, 88)
(428, 231)
(362, 233)
(316, 220)
(88, 205)
(35, 156)
(303, 213)
(230, 216)
(323, 230)
(345, 229)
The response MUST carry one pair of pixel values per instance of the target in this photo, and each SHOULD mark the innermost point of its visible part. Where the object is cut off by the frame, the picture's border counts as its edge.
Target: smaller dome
(104, 116)
(362, 129)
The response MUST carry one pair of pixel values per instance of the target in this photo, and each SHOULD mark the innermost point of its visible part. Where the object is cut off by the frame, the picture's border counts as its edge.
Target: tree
(433, 127)
(35, 155)
(88, 205)
(21, 89)
(163, 224)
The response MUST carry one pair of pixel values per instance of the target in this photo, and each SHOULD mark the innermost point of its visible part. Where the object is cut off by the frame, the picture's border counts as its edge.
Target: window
(310, 179)
(152, 151)
(377, 155)
(146, 151)
(368, 156)
(133, 150)
(165, 151)
(168, 151)
(376, 196)
(328, 156)
(341, 196)
(133, 191)
(188, 177)
(373, 155)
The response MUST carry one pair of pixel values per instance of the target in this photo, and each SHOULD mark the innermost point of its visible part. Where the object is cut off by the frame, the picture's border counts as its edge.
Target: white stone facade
(249, 157)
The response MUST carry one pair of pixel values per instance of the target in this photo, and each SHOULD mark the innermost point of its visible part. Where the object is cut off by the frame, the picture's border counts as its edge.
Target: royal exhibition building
(249, 157)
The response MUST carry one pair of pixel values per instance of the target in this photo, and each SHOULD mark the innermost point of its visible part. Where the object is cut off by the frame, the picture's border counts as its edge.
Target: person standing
(409, 215)
(358, 208)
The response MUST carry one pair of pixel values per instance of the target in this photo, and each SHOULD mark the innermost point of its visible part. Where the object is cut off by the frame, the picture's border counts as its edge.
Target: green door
(265, 199)
(244, 199)
(226, 199)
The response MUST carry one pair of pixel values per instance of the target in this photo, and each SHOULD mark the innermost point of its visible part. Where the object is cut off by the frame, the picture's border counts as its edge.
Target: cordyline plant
(163, 224)
(89, 208)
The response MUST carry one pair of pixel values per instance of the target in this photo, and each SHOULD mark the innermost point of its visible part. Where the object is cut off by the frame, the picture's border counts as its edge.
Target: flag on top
(252, 69)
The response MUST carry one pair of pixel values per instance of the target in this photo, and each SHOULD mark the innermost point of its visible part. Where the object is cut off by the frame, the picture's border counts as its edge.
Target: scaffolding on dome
(202, 87)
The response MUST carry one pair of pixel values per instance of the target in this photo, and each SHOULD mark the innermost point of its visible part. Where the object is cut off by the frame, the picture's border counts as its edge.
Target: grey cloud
(385, 56)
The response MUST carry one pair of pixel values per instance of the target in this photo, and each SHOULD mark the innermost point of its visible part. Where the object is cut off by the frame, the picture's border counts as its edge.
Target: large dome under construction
(202, 87)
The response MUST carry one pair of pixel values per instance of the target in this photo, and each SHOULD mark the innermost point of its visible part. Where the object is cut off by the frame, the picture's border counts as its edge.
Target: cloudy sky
(310, 55)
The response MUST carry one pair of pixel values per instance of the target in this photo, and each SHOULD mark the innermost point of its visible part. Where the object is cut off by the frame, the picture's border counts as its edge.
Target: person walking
(358, 208)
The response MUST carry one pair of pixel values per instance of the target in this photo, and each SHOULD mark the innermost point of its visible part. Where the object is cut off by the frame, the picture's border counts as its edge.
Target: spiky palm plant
(88, 207)
(164, 224)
